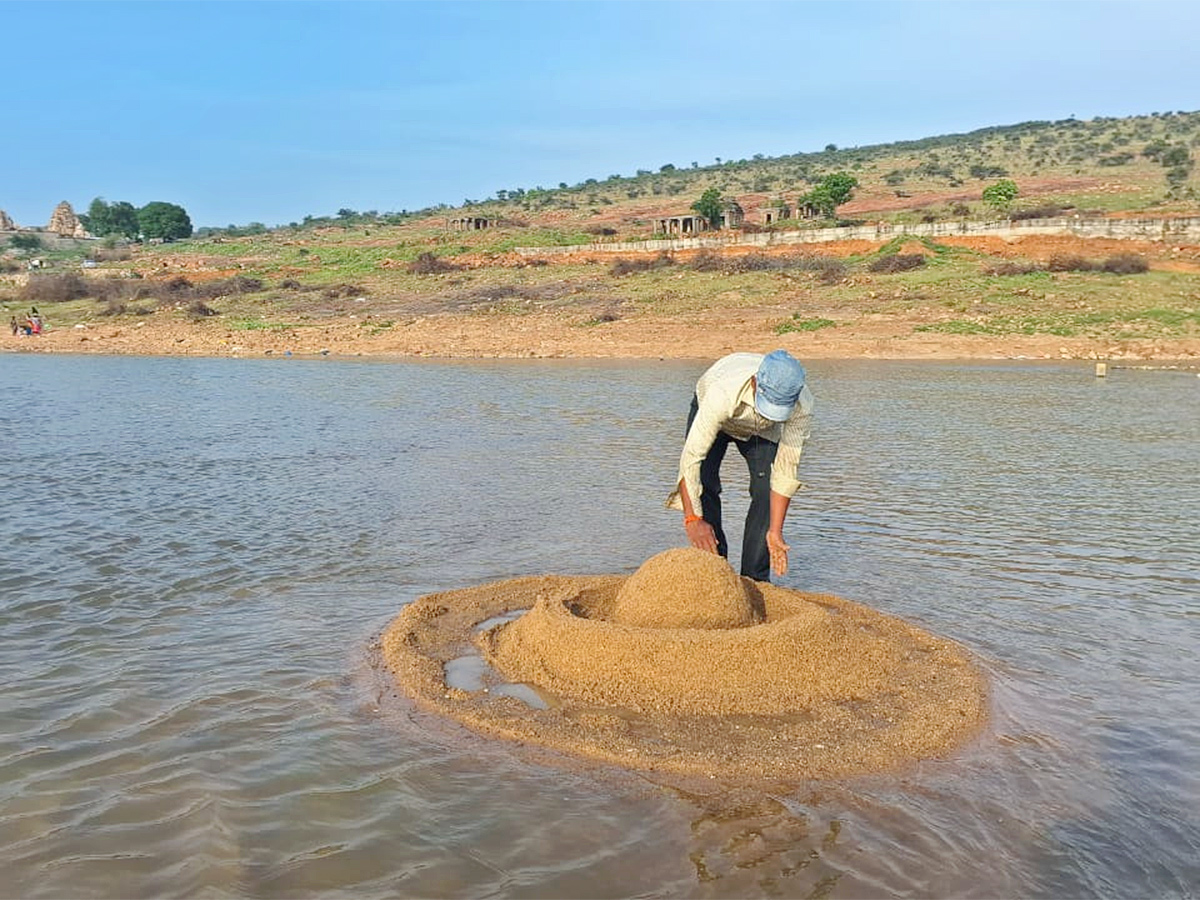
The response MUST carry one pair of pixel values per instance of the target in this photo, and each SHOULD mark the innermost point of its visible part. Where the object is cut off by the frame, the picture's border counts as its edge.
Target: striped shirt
(726, 403)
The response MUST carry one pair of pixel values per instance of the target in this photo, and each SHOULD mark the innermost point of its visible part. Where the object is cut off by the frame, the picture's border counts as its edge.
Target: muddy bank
(555, 334)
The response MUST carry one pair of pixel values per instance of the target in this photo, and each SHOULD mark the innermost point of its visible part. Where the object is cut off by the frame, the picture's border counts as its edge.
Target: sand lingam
(686, 667)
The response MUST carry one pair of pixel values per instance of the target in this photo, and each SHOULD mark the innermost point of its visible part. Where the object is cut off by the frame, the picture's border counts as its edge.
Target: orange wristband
(688, 520)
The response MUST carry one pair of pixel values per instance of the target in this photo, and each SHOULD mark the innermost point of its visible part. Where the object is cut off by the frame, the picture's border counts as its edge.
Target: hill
(407, 283)
(1105, 166)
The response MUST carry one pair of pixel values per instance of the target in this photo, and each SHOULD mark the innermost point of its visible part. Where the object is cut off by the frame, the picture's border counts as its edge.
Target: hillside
(406, 283)
(1103, 166)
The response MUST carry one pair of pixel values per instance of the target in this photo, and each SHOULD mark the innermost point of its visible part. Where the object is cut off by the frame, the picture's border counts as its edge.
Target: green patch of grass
(795, 323)
(261, 325)
(374, 328)
(601, 319)
(1126, 323)
(537, 237)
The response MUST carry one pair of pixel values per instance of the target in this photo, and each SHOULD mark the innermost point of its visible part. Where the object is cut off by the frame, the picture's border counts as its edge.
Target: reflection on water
(197, 555)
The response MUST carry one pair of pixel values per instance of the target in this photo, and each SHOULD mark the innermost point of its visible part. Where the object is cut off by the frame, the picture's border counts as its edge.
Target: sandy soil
(554, 334)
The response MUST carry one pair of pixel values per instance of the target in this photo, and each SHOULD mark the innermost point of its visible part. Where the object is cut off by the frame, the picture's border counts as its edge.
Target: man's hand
(701, 535)
(779, 553)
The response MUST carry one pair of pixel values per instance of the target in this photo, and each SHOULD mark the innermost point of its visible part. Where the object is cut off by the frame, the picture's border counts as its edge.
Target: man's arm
(777, 549)
(700, 533)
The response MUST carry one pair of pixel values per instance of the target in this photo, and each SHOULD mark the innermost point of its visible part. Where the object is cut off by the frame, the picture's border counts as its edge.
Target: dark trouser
(759, 454)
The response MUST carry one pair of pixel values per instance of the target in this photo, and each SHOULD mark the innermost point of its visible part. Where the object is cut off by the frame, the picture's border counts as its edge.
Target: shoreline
(550, 335)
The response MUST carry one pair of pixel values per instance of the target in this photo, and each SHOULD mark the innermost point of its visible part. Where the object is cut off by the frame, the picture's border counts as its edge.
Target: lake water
(196, 556)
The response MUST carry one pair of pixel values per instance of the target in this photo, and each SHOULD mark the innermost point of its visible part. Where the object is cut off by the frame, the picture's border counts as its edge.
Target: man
(762, 405)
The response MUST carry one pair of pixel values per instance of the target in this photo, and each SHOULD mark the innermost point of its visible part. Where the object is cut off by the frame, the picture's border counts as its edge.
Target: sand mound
(814, 685)
(684, 588)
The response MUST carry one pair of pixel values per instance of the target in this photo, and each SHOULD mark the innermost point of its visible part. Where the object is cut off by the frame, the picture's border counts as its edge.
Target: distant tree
(981, 171)
(120, 218)
(840, 185)
(167, 221)
(124, 220)
(1176, 156)
(710, 206)
(669, 167)
(346, 213)
(831, 148)
(999, 195)
(832, 191)
(97, 217)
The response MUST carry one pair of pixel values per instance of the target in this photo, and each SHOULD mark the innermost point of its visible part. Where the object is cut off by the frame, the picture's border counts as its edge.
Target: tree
(840, 185)
(104, 219)
(1176, 156)
(710, 206)
(999, 195)
(164, 220)
(830, 193)
(124, 220)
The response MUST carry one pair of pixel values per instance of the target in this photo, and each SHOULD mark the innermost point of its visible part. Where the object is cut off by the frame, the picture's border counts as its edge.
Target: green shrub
(798, 324)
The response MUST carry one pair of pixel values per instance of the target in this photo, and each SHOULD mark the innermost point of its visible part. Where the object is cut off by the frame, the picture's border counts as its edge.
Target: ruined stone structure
(807, 211)
(690, 224)
(6, 223)
(470, 223)
(65, 223)
(775, 211)
(733, 215)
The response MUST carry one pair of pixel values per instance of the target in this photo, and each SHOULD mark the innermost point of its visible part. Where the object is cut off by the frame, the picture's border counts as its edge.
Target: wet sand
(808, 685)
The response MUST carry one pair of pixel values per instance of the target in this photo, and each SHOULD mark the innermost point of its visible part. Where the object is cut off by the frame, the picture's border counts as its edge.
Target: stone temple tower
(65, 223)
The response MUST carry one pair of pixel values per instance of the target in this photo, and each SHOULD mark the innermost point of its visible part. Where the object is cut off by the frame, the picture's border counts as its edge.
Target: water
(198, 554)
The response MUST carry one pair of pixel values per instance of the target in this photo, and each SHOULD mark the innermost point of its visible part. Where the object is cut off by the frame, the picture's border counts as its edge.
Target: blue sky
(272, 111)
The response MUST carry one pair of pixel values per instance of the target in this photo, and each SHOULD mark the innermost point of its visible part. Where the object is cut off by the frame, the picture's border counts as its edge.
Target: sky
(270, 111)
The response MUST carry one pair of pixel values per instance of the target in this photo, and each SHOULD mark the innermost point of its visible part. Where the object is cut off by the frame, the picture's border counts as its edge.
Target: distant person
(35, 320)
(762, 405)
(16, 329)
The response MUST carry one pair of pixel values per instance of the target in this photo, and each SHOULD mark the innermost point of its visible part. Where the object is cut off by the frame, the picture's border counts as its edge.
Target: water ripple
(188, 708)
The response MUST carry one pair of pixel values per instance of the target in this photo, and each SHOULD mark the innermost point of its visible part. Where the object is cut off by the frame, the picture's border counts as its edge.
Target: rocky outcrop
(6, 223)
(65, 223)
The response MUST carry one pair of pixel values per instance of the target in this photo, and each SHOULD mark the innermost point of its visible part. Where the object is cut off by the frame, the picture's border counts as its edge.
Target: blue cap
(779, 381)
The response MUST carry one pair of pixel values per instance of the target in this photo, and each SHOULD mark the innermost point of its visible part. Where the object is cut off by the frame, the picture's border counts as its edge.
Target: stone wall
(1183, 231)
(49, 241)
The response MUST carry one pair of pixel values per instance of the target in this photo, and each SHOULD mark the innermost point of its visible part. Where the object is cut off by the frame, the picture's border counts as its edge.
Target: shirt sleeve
(786, 468)
(699, 441)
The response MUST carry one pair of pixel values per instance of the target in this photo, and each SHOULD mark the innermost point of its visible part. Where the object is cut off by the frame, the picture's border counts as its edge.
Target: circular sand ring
(820, 686)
